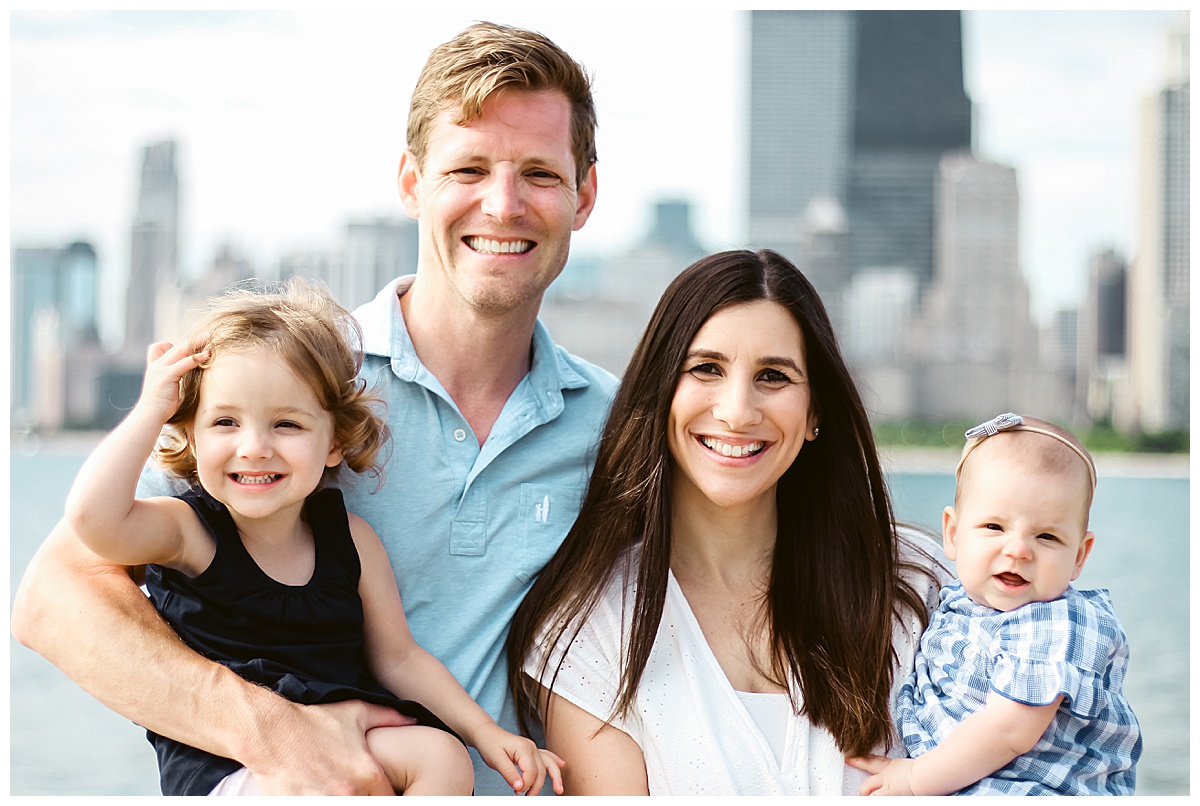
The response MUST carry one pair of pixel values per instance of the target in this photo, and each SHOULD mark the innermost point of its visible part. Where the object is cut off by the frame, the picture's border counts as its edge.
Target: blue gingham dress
(1073, 646)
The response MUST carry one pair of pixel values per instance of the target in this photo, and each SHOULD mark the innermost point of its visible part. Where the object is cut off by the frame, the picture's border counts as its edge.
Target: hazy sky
(291, 122)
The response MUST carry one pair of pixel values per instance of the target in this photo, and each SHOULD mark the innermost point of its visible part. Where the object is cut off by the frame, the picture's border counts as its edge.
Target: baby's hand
(166, 364)
(519, 760)
(889, 776)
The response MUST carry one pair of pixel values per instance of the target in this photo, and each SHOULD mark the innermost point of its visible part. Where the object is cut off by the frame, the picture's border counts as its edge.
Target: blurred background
(994, 206)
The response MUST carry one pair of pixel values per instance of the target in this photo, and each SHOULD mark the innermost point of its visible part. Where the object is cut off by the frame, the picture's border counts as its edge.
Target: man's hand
(889, 776)
(322, 750)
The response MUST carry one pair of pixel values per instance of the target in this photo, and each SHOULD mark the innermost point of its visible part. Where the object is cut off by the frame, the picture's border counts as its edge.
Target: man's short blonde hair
(487, 58)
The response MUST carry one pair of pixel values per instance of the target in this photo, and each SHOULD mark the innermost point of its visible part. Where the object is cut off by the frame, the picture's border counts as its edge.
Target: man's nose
(503, 196)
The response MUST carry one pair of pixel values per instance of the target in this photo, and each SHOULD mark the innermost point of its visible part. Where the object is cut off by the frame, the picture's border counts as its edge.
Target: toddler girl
(258, 565)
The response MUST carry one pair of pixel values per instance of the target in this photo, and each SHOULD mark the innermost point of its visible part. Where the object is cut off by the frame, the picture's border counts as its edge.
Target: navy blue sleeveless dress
(304, 642)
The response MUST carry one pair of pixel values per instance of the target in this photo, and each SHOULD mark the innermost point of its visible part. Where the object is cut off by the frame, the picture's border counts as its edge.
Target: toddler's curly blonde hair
(313, 335)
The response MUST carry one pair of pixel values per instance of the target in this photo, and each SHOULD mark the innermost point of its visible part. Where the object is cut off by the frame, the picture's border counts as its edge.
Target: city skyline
(1077, 180)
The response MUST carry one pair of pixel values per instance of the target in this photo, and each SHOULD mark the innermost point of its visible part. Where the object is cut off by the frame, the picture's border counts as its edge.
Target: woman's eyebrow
(714, 355)
(781, 361)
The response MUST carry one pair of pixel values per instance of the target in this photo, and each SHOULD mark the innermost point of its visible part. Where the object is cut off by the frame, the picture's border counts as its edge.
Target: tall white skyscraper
(1159, 281)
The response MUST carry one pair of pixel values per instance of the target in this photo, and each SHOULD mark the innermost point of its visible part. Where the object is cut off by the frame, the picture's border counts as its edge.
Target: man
(492, 428)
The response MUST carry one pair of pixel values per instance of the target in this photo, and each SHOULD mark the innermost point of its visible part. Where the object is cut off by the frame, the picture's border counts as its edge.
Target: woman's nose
(736, 405)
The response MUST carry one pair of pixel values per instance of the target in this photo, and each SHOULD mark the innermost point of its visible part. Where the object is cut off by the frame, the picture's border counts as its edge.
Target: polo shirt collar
(384, 334)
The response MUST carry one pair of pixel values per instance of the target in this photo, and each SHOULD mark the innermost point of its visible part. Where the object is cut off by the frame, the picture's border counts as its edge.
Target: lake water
(63, 742)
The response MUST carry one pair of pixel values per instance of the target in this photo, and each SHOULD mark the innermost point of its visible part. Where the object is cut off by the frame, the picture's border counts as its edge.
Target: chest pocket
(547, 514)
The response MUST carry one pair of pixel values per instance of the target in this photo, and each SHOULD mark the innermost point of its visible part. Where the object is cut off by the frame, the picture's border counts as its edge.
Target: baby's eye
(287, 424)
(224, 422)
(1049, 538)
(995, 527)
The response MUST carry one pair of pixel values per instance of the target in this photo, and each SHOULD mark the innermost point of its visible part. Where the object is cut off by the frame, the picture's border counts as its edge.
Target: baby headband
(1014, 422)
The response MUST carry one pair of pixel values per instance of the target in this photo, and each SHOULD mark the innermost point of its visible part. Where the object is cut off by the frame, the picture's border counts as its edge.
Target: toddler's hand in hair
(166, 364)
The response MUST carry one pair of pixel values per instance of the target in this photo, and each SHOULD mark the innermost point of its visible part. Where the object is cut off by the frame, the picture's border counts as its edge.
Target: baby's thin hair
(310, 332)
(1048, 446)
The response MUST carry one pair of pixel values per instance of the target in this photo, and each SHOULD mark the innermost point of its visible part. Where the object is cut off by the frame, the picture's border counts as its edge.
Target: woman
(733, 609)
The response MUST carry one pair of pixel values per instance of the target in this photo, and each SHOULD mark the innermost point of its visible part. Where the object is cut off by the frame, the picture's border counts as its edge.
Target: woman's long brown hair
(835, 585)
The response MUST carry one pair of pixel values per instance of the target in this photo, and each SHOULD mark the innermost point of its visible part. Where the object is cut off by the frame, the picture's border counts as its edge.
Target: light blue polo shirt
(468, 527)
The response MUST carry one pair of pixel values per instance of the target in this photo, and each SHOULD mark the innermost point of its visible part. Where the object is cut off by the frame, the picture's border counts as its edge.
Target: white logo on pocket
(541, 512)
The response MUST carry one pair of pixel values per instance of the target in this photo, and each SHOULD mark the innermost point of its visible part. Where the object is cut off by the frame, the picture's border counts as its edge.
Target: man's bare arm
(89, 618)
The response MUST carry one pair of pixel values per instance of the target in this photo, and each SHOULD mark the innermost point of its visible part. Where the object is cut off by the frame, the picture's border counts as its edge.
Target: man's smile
(490, 246)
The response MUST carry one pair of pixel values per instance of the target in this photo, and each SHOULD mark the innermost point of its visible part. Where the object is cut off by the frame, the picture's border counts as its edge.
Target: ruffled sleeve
(1045, 649)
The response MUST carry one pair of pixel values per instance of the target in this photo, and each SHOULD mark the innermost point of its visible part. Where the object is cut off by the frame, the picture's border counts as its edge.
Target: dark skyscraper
(909, 109)
(854, 108)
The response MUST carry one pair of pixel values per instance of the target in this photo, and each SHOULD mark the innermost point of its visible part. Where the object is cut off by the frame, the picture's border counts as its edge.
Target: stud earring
(816, 432)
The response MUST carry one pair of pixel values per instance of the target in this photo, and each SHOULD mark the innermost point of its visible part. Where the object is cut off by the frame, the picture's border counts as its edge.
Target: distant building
(1060, 350)
(976, 343)
(856, 107)
(373, 253)
(1159, 275)
(824, 243)
(909, 109)
(53, 328)
(1101, 376)
(154, 245)
(801, 125)
(879, 306)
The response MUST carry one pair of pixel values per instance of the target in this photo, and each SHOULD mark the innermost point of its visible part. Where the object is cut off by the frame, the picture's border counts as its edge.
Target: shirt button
(459, 434)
